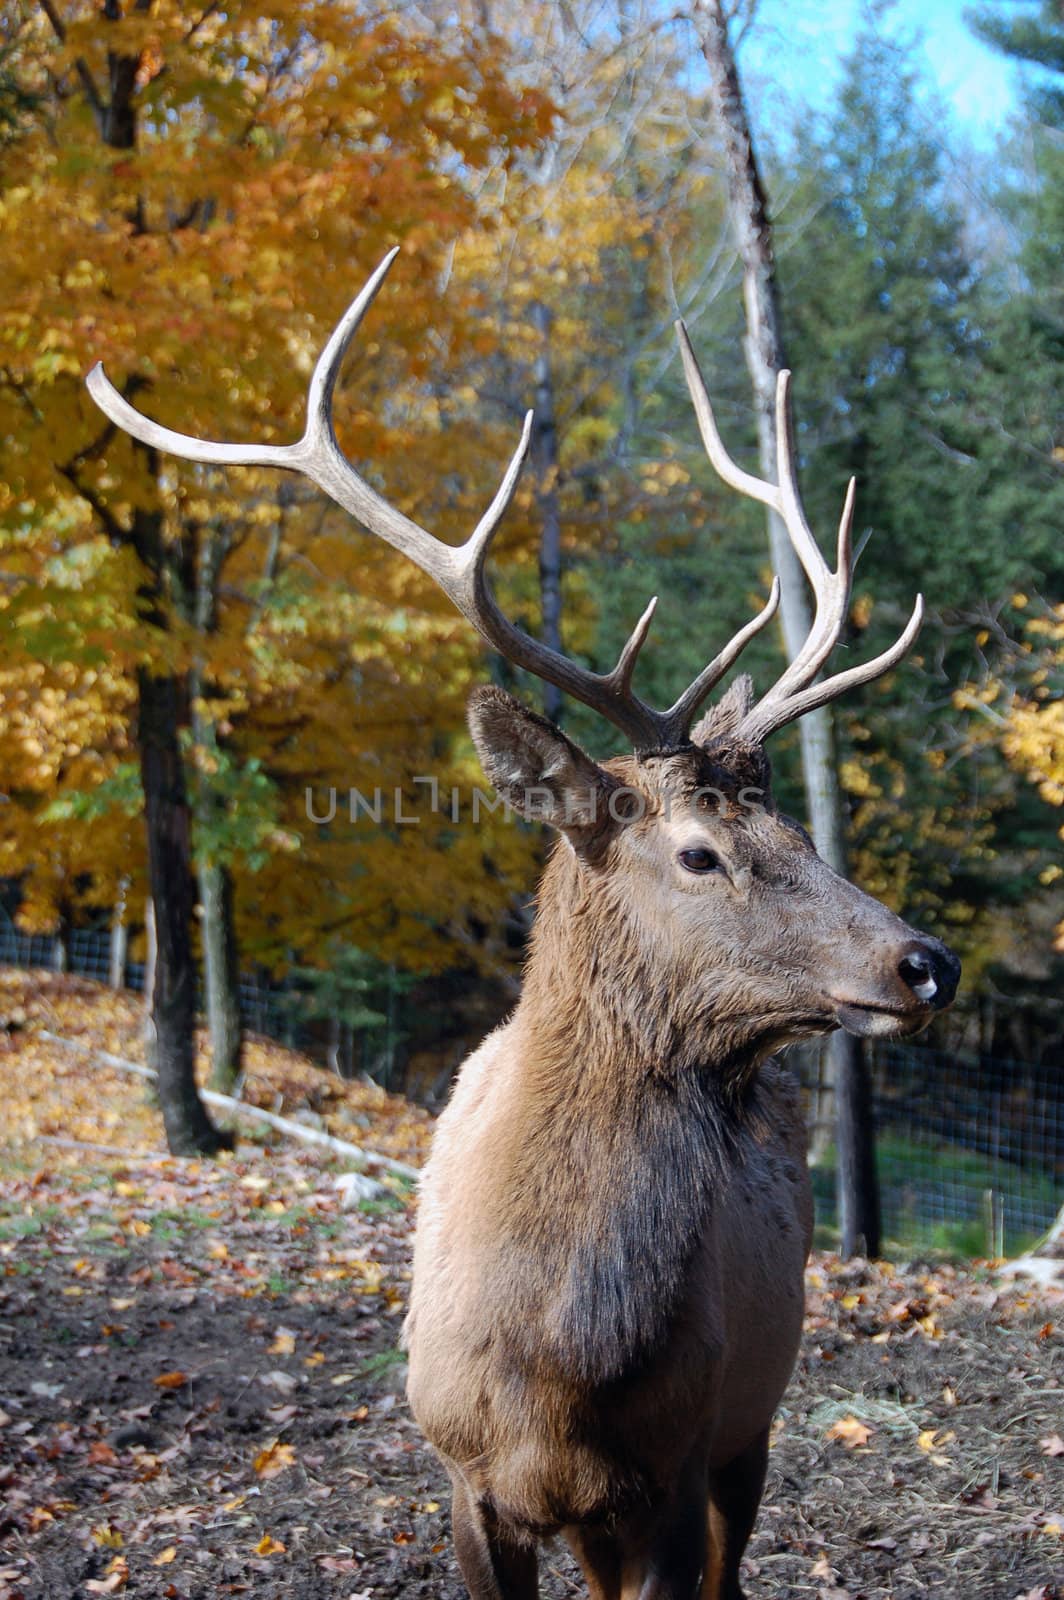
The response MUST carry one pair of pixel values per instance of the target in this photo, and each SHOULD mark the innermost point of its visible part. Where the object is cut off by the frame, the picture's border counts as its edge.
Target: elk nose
(931, 971)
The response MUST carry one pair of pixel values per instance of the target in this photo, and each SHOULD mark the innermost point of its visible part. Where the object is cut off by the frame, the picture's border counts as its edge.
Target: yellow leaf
(268, 1546)
(164, 1558)
(850, 1431)
(284, 1344)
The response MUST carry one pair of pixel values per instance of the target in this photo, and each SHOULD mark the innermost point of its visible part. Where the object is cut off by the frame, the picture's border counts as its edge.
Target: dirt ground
(201, 1395)
(201, 1391)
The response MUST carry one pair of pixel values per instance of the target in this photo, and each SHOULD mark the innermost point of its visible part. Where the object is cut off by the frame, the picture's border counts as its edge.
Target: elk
(608, 1274)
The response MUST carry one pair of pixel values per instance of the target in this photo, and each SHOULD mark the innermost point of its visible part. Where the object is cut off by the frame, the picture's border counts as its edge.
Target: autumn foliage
(192, 196)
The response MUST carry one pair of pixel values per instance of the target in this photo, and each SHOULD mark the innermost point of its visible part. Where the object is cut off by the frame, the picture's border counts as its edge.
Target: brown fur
(608, 1269)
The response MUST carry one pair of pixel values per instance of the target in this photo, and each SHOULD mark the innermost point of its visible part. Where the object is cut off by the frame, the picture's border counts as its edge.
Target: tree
(199, 175)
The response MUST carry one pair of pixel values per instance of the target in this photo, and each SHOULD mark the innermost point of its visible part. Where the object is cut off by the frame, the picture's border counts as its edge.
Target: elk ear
(725, 717)
(540, 773)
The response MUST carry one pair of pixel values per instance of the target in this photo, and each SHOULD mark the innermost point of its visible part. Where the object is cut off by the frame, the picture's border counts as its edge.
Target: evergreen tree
(896, 384)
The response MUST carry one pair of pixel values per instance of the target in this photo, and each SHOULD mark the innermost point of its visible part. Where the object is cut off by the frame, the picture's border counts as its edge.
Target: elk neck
(625, 1129)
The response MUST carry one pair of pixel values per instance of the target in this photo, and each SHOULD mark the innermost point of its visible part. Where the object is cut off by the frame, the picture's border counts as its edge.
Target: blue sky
(795, 46)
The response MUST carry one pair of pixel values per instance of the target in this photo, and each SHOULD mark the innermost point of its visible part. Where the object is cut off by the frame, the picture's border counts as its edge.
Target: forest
(558, 202)
(235, 768)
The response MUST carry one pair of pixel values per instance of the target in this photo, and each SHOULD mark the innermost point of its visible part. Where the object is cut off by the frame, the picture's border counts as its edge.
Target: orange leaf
(273, 1459)
(850, 1431)
(170, 1380)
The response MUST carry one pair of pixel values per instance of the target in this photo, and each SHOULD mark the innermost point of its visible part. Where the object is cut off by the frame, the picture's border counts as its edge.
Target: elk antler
(795, 692)
(458, 570)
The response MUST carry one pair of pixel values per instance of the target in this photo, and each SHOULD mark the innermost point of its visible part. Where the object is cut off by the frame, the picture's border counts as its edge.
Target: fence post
(119, 938)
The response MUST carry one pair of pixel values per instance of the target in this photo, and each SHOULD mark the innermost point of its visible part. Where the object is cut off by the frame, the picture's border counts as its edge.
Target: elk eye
(699, 861)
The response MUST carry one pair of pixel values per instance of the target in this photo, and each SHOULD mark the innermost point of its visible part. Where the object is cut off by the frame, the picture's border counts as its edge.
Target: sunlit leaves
(278, 152)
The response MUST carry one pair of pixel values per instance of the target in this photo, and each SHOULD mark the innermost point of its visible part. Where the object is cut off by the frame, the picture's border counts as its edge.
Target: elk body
(607, 1295)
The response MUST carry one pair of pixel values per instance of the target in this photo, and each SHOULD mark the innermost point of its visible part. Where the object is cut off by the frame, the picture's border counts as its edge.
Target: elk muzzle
(924, 981)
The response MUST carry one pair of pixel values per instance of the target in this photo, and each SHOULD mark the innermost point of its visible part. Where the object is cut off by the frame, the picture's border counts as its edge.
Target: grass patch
(384, 1361)
(381, 1206)
(934, 1198)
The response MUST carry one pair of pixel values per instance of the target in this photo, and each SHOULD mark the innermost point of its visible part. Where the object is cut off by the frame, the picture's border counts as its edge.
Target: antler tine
(832, 607)
(682, 714)
(327, 367)
(770, 714)
(726, 469)
(208, 451)
(622, 672)
(791, 508)
(474, 552)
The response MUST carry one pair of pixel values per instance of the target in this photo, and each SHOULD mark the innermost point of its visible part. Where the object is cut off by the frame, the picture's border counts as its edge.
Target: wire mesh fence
(267, 1008)
(970, 1149)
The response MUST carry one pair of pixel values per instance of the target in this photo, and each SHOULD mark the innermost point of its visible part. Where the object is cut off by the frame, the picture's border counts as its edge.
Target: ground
(201, 1387)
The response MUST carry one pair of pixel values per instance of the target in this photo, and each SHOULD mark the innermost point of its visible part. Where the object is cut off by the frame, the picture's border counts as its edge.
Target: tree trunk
(222, 974)
(161, 708)
(221, 958)
(545, 463)
(189, 1130)
(857, 1184)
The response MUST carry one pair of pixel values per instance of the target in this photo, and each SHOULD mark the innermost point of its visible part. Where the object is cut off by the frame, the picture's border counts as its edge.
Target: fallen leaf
(338, 1563)
(284, 1344)
(170, 1380)
(1052, 1446)
(850, 1431)
(117, 1575)
(164, 1558)
(274, 1459)
(278, 1379)
(269, 1546)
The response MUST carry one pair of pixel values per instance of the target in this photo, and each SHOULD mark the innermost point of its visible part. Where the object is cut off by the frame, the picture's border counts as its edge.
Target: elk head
(678, 850)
